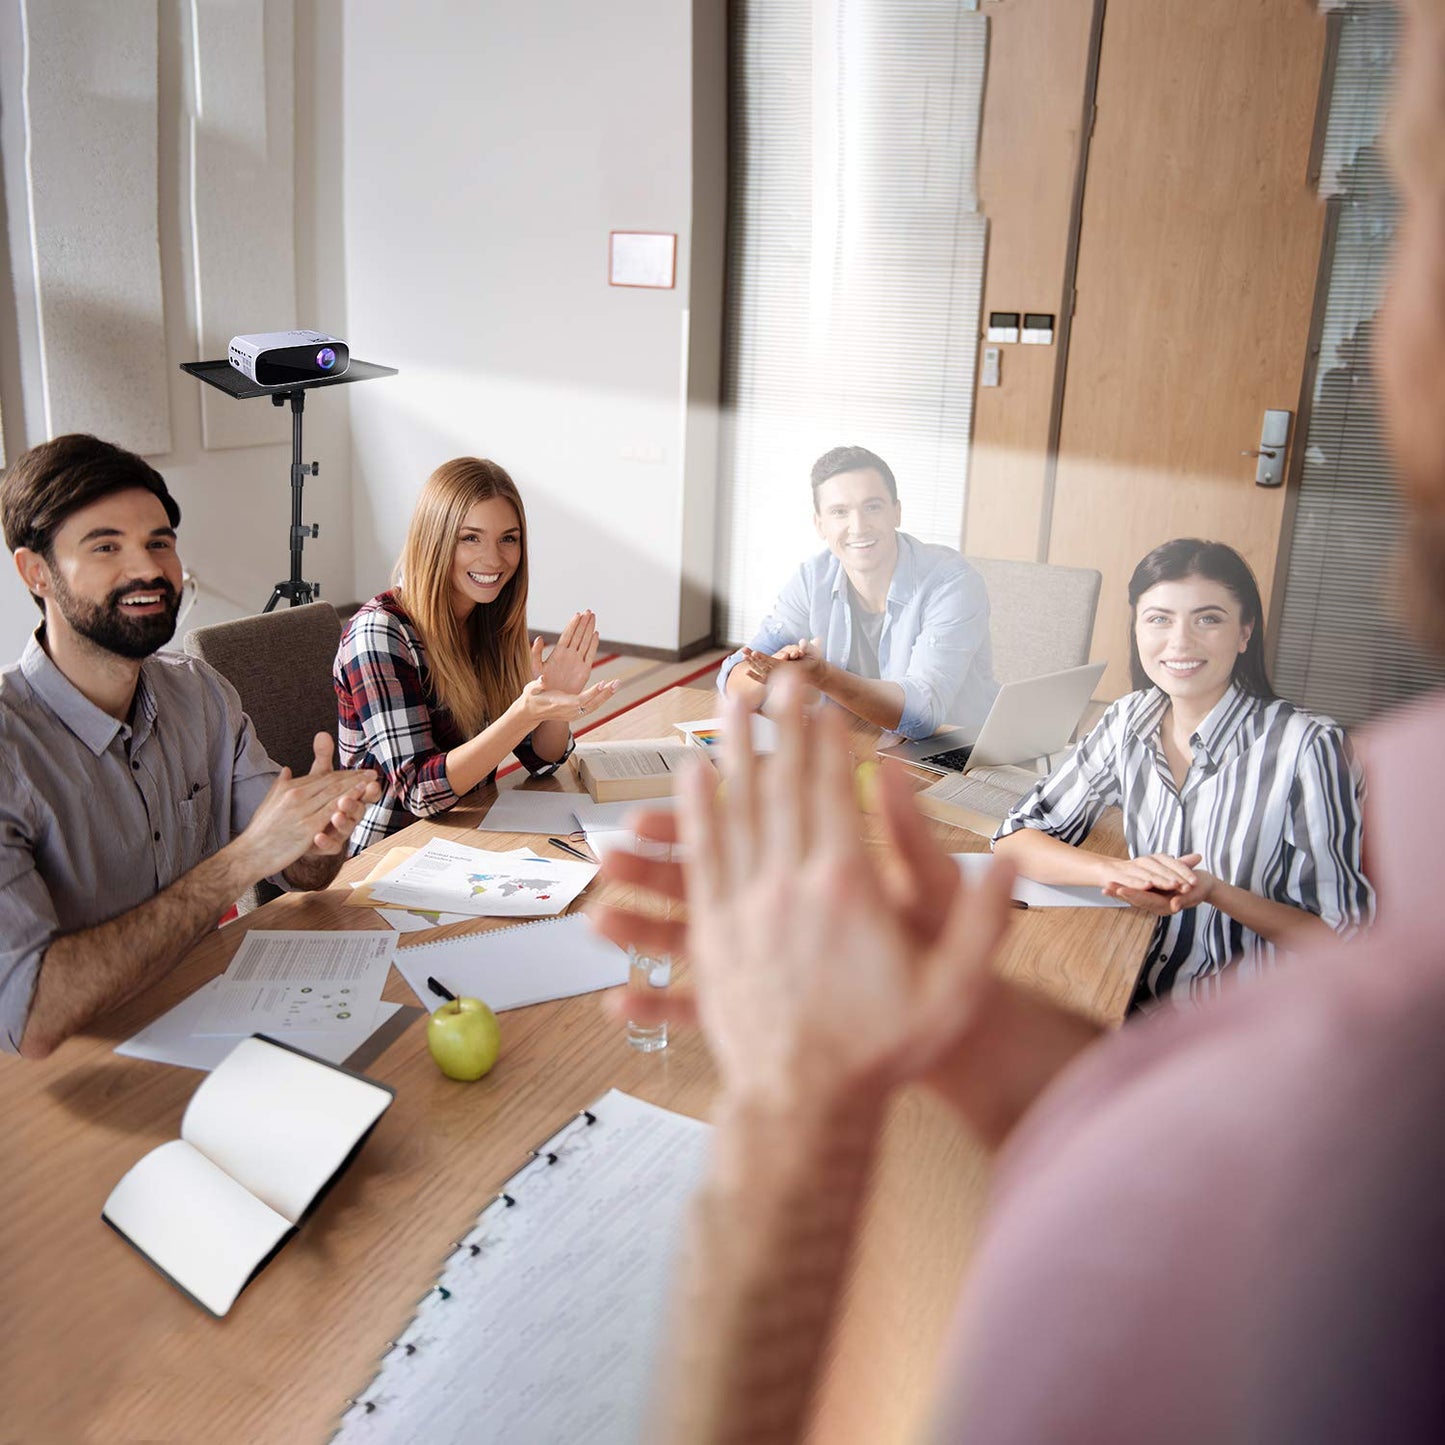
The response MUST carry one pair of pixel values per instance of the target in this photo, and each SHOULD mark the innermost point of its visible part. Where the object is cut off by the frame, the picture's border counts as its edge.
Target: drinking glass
(648, 971)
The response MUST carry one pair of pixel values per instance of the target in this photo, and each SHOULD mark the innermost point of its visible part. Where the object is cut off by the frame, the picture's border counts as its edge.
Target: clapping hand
(804, 657)
(814, 967)
(350, 805)
(558, 690)
(1158, 883)
(568, 666)
(311, 814)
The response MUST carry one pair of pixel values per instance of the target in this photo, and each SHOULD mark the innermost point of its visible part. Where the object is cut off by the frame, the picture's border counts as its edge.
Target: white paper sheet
(518, 811)
(285, 982)
(451, 876)
(171, 1039)
(550, 1330)
(514, 967)
(420, 920)
(1039, 895)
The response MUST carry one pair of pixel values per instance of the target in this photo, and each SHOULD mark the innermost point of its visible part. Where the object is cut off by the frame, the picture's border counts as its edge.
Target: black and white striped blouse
(1272, 801)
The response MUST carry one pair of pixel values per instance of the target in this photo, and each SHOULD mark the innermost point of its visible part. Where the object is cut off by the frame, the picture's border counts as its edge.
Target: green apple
(464, 1038)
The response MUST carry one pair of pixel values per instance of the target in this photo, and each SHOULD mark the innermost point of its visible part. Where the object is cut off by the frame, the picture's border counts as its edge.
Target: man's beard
(108, 625)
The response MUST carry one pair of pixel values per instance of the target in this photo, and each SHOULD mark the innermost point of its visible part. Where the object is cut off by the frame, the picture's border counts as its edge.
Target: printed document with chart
(459, 879)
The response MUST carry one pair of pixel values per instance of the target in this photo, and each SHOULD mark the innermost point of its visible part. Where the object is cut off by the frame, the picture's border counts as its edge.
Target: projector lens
(326, 358)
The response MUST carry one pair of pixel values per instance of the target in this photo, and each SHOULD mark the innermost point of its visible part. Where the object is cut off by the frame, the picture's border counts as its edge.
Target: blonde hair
(478, 666)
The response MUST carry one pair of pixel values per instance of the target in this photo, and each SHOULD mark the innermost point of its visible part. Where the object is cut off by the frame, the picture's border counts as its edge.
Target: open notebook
(262, 1140)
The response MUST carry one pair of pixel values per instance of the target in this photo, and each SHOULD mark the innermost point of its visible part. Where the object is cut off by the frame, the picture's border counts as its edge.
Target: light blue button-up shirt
(934, 644)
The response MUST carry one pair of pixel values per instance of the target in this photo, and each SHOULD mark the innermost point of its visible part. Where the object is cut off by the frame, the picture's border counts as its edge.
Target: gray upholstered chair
(280, 663)
(1041, 616)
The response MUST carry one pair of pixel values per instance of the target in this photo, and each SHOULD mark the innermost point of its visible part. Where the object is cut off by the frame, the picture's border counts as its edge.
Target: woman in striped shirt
(1241, 811)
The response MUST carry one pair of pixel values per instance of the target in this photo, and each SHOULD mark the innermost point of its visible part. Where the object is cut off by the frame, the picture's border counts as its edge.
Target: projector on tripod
(285, 365)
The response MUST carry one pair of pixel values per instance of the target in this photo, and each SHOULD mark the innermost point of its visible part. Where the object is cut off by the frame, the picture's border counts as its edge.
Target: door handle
(1273, 444)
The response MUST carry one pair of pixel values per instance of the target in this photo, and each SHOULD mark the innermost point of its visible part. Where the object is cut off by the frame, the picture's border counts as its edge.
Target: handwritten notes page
(546, 1321)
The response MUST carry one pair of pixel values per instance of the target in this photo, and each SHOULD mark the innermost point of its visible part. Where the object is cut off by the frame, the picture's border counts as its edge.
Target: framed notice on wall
(642, 258)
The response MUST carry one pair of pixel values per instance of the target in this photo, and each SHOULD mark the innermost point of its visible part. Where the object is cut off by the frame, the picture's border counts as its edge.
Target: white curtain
(855, 270)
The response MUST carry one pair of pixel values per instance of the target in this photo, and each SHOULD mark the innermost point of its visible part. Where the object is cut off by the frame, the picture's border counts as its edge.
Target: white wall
(458, 169)
(489, 150)
(235, 504)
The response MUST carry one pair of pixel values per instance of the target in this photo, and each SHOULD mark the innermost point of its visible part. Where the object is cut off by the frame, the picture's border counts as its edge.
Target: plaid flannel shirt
(389, 719)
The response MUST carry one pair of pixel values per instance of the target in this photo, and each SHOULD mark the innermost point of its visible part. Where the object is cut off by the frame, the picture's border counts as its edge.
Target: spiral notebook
(513, 967)
(546, 1320)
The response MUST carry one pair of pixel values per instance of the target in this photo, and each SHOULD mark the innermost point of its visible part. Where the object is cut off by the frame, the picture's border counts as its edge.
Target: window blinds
(1340, 649)
(855, 270)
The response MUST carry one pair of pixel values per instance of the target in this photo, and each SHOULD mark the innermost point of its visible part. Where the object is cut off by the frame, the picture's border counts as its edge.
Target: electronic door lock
(1273, 445)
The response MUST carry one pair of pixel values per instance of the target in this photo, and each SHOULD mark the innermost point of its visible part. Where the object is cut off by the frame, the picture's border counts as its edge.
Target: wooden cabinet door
(1198, 249)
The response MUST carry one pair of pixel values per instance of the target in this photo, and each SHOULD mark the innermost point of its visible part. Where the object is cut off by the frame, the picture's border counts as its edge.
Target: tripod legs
(294, 589)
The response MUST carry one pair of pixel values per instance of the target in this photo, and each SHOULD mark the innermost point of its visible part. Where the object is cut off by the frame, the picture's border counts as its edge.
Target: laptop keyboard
(955, 759)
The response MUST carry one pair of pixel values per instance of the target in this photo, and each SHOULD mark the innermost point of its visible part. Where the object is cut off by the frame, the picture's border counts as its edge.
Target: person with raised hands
(823, 981)
(1220, 1224)
(136, 803)
(435, 680)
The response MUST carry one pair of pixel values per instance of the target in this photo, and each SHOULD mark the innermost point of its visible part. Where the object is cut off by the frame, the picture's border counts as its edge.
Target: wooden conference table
(95, 1346)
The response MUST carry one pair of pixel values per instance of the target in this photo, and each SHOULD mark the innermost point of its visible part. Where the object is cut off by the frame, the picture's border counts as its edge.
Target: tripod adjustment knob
(313, 470)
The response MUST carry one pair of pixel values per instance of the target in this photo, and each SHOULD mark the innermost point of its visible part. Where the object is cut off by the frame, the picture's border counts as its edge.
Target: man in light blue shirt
(891, 628)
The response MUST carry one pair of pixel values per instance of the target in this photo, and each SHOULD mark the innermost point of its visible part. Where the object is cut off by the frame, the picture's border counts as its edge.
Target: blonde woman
(435, 681)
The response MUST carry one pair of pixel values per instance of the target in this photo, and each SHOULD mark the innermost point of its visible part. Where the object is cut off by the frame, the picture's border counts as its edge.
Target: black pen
(1017, 903)
(568, 848)
(436, 988)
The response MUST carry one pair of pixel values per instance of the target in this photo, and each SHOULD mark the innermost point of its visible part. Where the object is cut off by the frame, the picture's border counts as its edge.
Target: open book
(979, 800)
(262, 1140)
(616, 772)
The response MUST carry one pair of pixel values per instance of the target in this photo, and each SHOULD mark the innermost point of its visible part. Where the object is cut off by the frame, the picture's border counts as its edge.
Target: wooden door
(1198, 249)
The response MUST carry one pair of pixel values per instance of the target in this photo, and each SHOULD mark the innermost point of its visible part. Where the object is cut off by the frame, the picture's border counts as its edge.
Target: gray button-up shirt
(97, 816)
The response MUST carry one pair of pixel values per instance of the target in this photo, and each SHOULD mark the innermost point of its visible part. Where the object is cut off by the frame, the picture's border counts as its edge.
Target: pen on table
(568, 848)
(445, 993)
(1017, 903)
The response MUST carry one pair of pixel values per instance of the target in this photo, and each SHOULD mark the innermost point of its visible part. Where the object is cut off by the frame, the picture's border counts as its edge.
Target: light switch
(988, 376)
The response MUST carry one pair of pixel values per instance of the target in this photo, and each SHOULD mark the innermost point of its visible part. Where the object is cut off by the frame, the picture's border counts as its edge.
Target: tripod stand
(224, 377)
(294, 589)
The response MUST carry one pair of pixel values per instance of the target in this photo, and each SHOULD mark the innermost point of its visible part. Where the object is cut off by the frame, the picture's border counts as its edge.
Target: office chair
(1041, 617)
(280, 663)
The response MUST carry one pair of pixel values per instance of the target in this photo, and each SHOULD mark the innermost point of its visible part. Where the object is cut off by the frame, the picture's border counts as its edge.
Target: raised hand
(807, 971)
(567, 668)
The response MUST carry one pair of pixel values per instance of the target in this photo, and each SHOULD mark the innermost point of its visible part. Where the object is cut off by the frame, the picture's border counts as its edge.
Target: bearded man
(136, 804)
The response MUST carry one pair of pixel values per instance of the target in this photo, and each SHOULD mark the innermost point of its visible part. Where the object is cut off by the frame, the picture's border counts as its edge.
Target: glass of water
(649, 971)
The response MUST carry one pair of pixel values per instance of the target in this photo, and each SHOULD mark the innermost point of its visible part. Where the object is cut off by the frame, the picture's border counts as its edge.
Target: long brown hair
(480, 666)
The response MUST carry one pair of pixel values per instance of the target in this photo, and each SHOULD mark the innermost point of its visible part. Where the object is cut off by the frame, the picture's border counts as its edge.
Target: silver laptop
(1028, 720)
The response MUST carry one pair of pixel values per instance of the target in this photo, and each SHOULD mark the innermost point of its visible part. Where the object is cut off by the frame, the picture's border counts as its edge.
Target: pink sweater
(1230, 1225)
